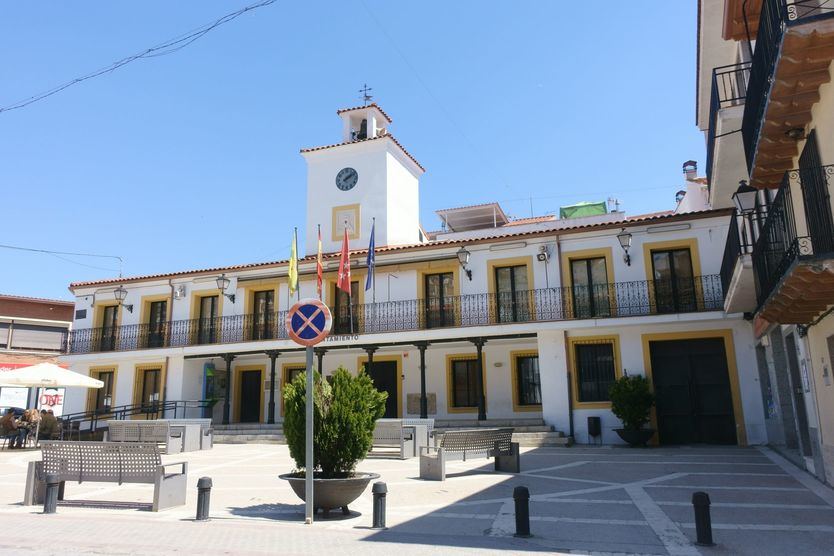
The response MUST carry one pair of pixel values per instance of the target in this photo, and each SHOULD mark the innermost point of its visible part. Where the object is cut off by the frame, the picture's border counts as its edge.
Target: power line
(168, 47)
(57, 254)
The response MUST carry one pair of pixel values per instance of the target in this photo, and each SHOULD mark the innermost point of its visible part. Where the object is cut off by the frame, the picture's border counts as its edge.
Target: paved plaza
(609, 500)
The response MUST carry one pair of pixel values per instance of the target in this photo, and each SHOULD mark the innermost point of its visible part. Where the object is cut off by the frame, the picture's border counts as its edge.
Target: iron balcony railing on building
(739, 243)
(779, 244)
(775, 16)
(621, 299)
(729, 88)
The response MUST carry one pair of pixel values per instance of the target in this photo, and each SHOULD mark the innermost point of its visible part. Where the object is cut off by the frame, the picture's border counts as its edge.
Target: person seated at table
(11, 428)
(49, 425)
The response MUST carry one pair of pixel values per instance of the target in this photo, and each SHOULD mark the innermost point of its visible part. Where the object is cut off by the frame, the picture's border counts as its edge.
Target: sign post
(308, 323)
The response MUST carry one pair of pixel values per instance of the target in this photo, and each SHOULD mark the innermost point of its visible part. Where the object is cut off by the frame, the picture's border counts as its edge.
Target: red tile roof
(640, 219)
(378, 137)
(375, 105)
(531, 220)
(36, 299)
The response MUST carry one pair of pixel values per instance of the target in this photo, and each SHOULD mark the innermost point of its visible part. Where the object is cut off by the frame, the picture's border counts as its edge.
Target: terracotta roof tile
(36, 299)
(378, 137)
(640, 219)
(375, 105)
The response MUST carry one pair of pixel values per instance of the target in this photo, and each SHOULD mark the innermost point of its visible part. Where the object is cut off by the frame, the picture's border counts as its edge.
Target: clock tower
(366, 176)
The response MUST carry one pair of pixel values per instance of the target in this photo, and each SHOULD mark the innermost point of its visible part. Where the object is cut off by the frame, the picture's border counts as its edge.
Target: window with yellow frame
(461, 380)
(595, 365)
(526, 381)
(101, 400)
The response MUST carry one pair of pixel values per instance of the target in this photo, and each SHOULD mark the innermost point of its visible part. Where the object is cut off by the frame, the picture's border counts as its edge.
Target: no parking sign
(308, 322)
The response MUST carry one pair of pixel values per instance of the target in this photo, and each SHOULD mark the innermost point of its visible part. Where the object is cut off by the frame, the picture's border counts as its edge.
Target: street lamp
(120, 294)
(222, 284)
(463, 259)
(624, 238)
(745, 198)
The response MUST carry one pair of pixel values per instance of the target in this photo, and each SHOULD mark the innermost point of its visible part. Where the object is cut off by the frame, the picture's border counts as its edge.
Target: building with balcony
(486, 319)
(769, 120)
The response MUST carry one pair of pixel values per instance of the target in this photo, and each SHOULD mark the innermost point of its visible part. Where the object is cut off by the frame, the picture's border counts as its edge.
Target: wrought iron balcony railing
(621, 299)
(738, 243)
(779, 244)
(729, 88)
(775, 16)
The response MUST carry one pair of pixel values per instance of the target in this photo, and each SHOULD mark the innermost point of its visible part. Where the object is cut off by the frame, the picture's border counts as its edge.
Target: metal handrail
(619, 299)
(149, 410)
(729, 88)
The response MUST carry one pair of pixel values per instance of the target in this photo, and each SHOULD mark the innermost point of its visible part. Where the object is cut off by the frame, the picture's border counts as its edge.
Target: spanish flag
(343, 281)
(293, 272)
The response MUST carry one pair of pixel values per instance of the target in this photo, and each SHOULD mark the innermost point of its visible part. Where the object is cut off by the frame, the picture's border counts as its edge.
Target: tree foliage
(631, 400)
(345, 409)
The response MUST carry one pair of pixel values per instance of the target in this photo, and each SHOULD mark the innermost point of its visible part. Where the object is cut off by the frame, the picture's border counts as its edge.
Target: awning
(47, 375)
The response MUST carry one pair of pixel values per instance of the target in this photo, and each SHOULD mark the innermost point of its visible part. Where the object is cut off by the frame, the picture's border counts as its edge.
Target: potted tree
(345, 409)
(632, 401)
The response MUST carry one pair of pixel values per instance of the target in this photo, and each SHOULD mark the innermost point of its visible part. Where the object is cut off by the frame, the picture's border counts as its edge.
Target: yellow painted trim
(567, 275)
(237, 379)
(252, 287)
(145, 316)
(694, 256)
(138, 378)
(492, 264)
(732, 369)
(514, 355)
(363, 359)
(440, 267)
(449, 382)
(573, 341)
(93, 372)
(335, 231)
(194, 311)
(285, 378)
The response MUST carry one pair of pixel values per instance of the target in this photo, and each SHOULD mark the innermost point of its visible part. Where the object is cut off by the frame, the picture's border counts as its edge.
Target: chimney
(690, 170)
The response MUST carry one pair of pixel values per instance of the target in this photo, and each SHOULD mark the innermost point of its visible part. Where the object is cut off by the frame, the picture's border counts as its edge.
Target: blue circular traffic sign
(308, 322)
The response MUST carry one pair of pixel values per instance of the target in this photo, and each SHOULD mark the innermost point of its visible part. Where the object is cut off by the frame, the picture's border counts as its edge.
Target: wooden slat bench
(160, 432)
(407, 439)
(495, 443)
(106, 462)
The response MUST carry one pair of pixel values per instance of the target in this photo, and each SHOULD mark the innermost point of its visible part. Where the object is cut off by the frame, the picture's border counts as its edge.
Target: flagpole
(373, 274)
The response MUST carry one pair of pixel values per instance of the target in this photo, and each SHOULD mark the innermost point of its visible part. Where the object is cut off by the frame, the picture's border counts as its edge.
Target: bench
(392, 433)
(202, 439)
(410, 422)
(106, 462)
(495, 443)
(159, 432)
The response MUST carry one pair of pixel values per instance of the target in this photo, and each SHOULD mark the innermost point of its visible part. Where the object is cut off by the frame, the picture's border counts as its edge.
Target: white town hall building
(523, 322)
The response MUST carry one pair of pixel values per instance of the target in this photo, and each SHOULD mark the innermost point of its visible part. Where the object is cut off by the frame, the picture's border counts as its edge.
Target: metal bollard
(703, 522)
(203, 498)
(50, 500)
(522, 511)
(379, 490)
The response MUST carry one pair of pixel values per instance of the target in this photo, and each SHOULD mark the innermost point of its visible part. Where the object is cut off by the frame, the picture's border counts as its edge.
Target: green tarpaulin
(583, 209)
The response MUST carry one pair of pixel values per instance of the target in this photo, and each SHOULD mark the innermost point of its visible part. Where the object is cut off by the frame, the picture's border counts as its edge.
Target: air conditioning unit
(179, 291)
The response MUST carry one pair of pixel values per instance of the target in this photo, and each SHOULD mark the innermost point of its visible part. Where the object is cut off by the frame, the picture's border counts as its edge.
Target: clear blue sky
(191, 160)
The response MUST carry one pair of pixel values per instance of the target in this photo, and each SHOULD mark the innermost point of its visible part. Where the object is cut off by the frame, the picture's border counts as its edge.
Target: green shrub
(345, 409)
(631, 401)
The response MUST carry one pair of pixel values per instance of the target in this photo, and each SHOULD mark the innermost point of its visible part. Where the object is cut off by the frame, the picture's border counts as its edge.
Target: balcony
(794, 46)
(621, 299)
(793, 258)
(737, 280)
(724, 147)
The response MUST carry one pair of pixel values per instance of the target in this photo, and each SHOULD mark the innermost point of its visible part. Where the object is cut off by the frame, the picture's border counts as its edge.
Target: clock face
(346, 179)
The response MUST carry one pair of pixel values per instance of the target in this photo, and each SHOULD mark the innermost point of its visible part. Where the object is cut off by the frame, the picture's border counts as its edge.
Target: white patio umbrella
(47, 375)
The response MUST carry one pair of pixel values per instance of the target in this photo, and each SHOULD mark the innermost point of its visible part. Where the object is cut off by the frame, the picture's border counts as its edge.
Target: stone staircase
(529, 433)
(249, 433)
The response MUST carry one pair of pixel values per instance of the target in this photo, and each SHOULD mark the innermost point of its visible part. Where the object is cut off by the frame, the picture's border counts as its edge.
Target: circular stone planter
(637, 437)
(329, 494)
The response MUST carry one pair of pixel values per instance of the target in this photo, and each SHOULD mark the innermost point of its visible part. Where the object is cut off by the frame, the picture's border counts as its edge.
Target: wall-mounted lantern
(624, 238)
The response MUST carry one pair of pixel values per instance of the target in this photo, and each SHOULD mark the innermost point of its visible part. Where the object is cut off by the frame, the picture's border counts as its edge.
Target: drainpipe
(570, 386)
